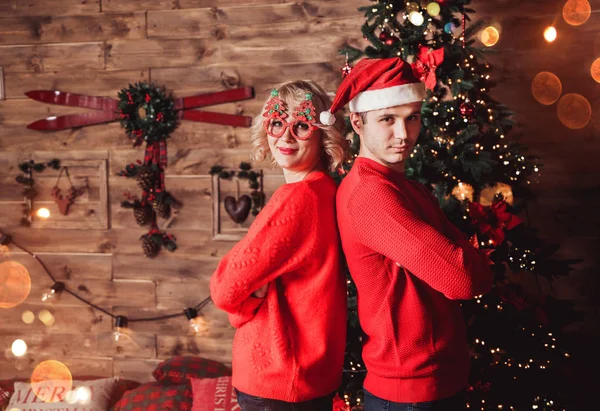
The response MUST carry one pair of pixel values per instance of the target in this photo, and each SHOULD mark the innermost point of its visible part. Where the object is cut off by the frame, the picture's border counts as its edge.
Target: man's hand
(261, 292)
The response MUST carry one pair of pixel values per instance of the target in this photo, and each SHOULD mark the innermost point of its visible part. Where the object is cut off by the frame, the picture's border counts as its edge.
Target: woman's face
(294, 154)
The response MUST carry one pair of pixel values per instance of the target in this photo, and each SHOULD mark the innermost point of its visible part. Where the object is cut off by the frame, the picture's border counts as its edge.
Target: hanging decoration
(65, 202)
(148, 115)
(346, 69)
(239, 208)
(26, 180)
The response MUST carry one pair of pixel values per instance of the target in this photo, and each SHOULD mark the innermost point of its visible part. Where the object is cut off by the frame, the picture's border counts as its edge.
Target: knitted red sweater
(290, 345)
(410, 265)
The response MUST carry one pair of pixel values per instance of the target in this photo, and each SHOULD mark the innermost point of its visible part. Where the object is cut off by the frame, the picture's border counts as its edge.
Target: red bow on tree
(339, 404)
(424, 67)
(494, 220)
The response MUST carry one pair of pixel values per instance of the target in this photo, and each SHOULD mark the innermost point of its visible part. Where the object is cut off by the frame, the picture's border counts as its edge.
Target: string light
(57, 288)
(120, 326)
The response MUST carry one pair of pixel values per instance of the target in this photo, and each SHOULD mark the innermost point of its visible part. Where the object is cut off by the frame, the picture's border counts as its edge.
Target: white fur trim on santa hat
(387, 97)
(327, 118)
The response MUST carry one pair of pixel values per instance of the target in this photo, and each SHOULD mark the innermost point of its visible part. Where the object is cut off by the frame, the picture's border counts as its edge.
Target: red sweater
(290, 345)
(410, 265)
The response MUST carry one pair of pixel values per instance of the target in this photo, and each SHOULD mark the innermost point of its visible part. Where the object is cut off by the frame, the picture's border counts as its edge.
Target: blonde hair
(293, 93)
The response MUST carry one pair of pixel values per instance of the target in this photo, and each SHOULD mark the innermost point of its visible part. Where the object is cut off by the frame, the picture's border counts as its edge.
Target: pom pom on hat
(327, 118)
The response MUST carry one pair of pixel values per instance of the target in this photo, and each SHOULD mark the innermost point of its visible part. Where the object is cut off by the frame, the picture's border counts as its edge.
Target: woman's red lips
(287, 151)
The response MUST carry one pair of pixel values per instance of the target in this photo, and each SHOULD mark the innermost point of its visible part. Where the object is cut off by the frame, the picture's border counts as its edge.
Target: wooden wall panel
(67, 29)
(9, 8)
(50, 57)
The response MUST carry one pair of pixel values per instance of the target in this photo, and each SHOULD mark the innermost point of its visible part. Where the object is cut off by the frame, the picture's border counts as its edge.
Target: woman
(282, 284)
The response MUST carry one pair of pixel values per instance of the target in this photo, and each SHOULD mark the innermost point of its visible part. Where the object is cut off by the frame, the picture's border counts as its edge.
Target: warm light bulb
(120, 326)
(550, 34)
(43, 213)
(416, 18)
(19, 348)
(48, 295)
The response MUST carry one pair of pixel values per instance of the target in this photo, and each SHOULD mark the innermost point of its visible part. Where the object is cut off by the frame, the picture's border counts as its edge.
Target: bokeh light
(46, 317)
(489, 36)
(28, 317)
(43, 213)
(546, 88)
(574, 111)
(15, 284)
(433, 9)
(595, 70)
(577, 12)
(19, 348)
(550, 34)
(50, 377)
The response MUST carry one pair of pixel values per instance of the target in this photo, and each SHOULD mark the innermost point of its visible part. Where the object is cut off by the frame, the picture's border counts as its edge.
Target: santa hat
(374, 84)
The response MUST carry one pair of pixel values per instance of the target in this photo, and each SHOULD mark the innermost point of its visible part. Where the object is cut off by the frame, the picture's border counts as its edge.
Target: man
(409, 263)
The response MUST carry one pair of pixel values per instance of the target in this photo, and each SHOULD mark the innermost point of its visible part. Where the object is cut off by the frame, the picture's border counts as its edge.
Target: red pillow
(179, 370)
(213, 394)
(155, 396)
(4, 397)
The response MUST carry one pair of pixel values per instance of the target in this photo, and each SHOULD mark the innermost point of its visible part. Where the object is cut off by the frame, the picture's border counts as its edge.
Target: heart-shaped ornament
(238, 210)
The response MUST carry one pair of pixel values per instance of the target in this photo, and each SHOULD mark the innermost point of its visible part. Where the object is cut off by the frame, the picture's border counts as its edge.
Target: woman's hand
(261, 292)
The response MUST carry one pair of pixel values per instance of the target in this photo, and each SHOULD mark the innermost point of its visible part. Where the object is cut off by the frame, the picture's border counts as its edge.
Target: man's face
(388, 135)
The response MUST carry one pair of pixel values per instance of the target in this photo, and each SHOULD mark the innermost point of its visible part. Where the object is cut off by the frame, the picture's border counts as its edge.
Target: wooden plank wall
(97, 47)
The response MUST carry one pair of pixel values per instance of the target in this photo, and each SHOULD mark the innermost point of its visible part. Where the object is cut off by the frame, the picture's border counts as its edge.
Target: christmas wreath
(147, 113)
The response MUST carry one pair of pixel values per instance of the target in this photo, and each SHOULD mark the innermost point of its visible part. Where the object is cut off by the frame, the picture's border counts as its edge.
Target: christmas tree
(482, 177)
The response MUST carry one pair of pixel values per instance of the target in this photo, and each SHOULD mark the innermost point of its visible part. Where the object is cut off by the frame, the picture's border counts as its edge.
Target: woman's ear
(357, 123)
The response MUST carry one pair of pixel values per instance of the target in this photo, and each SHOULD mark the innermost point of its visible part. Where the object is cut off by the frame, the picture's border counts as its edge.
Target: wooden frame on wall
(218, 231)
(87, 213)
(2, 88)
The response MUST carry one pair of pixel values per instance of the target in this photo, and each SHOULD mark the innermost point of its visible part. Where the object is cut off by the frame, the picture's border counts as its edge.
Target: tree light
(416, 18)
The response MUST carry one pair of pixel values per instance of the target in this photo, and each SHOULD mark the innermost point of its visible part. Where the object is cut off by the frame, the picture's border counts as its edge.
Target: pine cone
(143, 215)
(162, 209)
(150, 248)
(146, 178)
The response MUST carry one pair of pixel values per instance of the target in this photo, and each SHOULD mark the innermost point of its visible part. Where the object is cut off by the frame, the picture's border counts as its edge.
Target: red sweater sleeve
(455, 269)
(279, 241)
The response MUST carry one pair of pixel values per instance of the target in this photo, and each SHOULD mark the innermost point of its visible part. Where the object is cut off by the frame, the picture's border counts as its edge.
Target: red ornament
(346, 70)
(390, 41)
(383, 36)
(159, 117)
(148, 98)
(467, 109)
